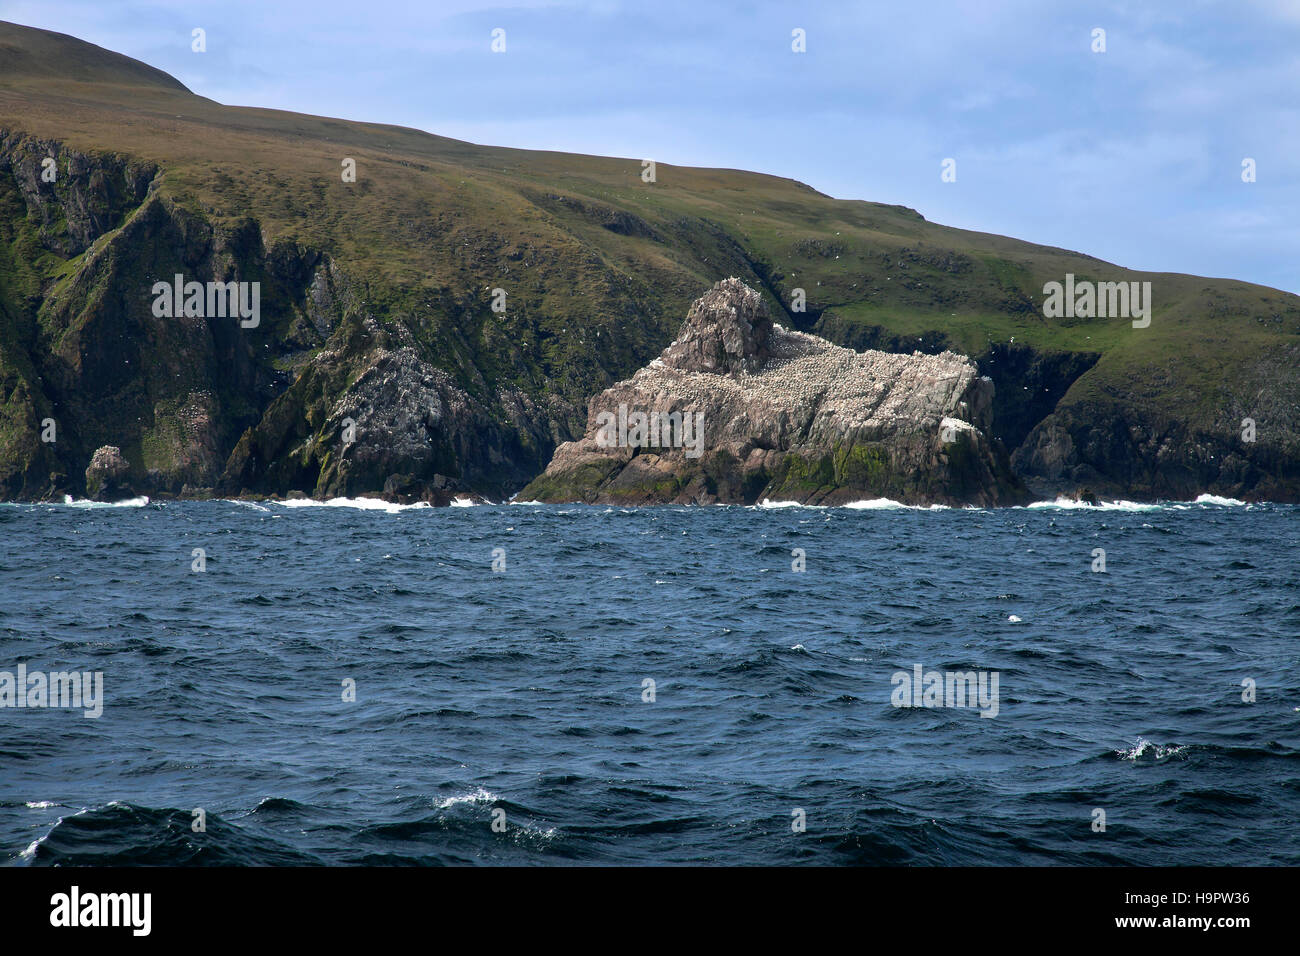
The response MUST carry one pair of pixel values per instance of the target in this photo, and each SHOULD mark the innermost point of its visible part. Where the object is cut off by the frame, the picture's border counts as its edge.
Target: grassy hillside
(599, 268)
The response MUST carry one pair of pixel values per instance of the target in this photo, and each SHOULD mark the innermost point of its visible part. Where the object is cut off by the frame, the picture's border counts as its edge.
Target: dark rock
(726, 331)
(107, 474)
(439, 491)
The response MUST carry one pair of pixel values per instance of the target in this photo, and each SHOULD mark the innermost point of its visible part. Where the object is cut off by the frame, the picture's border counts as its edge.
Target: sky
(1133, 155)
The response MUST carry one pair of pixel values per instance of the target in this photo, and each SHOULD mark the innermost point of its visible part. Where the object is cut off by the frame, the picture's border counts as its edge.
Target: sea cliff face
(738, 409)
(103, 397)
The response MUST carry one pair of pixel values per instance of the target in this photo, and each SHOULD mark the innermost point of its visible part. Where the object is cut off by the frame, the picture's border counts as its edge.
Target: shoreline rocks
(107, 474)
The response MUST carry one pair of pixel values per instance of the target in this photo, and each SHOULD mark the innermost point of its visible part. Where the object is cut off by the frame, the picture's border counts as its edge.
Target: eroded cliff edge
(739, 409)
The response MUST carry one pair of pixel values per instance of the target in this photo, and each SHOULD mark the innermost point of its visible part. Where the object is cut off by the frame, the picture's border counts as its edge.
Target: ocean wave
(29, 854)
(882, 504)
(866, 504)
(124, 834)
(543, 677)
(1070, 504)
(88, 503)
(1124, 505)
(478, 796)
(1216, 500)
(269, 805)
(251, 505)
(360, 504)
(1143, 748)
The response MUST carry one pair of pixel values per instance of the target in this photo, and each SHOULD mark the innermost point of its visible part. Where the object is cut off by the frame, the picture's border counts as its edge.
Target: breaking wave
(88, 503)
(359, 504)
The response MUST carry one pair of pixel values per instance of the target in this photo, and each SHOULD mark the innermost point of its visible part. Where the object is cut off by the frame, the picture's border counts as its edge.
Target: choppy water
(522, 690)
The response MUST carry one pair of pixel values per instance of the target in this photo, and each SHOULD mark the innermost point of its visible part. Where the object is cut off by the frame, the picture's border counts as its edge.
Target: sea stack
(108, 474)
(739, 409)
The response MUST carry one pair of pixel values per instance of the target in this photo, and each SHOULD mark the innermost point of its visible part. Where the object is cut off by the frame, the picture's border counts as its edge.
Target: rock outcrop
(107, 474)
(738, 410)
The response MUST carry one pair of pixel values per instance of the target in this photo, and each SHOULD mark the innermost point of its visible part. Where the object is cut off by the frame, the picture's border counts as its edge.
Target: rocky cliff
(321, 397)
(738, 409)
(438, 324)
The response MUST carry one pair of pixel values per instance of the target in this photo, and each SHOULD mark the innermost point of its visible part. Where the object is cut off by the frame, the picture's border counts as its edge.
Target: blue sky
(1133, 155)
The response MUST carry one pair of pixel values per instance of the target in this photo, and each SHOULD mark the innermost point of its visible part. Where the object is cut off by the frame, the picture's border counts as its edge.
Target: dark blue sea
(519, 696)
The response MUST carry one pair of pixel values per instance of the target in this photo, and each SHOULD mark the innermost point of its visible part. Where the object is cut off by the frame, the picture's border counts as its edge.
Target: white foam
(361, 504)
(868, 504)
(1122, 505)
(1216, 500)
(1142, 747)
(41, 805)
(883, 504)
(1070, 504)
(30, 852)
(87, 503)
(478, 796)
